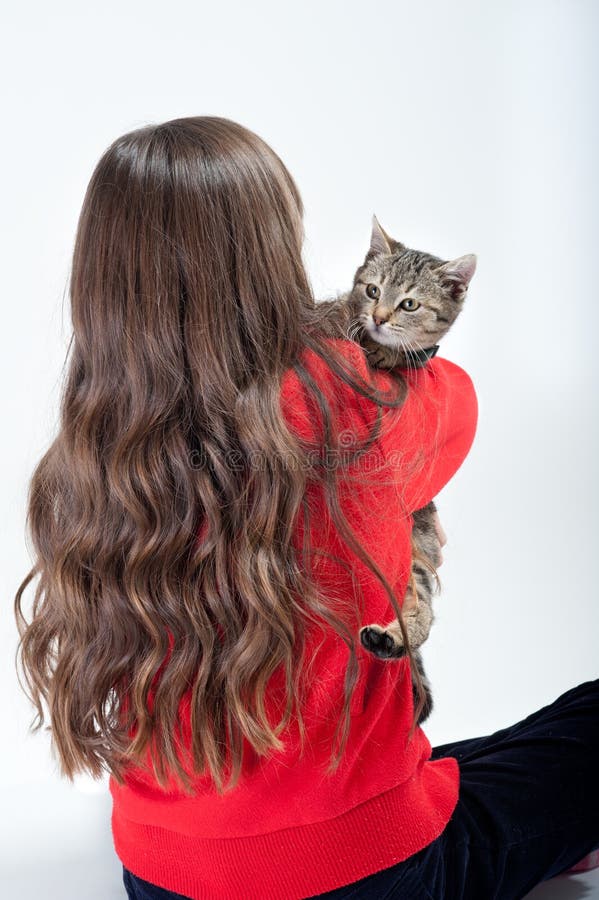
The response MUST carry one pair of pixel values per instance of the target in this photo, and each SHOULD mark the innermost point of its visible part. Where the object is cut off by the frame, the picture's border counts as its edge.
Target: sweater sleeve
(434, 429)
(428, 437)
(424, 440)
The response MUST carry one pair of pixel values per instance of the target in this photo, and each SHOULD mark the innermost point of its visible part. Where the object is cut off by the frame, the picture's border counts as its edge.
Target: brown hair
(189, 300)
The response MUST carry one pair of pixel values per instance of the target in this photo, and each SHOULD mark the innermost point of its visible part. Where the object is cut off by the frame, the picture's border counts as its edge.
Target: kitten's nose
(380, 319)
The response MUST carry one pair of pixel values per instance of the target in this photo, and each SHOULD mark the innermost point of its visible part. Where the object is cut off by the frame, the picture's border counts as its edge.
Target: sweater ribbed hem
(295, 863)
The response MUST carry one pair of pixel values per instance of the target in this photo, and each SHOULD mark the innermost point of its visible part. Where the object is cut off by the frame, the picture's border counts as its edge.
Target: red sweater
(287, 831)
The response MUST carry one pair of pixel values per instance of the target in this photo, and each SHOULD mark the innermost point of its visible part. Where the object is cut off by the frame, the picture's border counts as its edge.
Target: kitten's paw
(378, 641)
(380, 358)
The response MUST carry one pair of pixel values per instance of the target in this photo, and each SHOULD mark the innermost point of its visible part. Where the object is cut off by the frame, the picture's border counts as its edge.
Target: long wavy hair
(189, 300)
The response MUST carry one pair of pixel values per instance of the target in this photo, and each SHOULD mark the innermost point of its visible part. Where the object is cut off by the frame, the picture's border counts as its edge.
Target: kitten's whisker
(413, 344)
(353, 330)
(419, 346)
(406, 346)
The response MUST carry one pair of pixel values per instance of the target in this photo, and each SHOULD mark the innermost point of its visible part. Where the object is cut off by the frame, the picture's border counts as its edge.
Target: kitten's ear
(380, 242)
(457, 273)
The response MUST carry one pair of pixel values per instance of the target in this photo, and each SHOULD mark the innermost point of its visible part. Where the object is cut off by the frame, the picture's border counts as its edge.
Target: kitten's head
(408, 299)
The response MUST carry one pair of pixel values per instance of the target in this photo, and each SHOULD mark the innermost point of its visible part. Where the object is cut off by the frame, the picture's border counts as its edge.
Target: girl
(228, 500)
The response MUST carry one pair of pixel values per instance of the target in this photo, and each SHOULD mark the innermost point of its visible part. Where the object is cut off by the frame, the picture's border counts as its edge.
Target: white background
(466, 127)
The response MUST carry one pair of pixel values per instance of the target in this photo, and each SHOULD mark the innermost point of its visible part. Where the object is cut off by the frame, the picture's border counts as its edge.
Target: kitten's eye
(409, 304)
(373, 291)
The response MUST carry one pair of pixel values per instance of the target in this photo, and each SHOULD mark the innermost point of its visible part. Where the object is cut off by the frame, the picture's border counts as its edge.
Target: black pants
(528, 810)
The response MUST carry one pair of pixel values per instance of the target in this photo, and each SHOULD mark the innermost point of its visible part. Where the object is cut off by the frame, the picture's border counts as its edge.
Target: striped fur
(403, 300)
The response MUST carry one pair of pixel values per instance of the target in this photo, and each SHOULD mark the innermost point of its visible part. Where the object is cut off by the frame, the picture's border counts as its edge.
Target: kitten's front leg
(380, 356)
(387, 642)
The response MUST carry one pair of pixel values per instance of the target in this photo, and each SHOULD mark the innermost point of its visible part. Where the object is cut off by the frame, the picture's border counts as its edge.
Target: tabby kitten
(402, 302)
